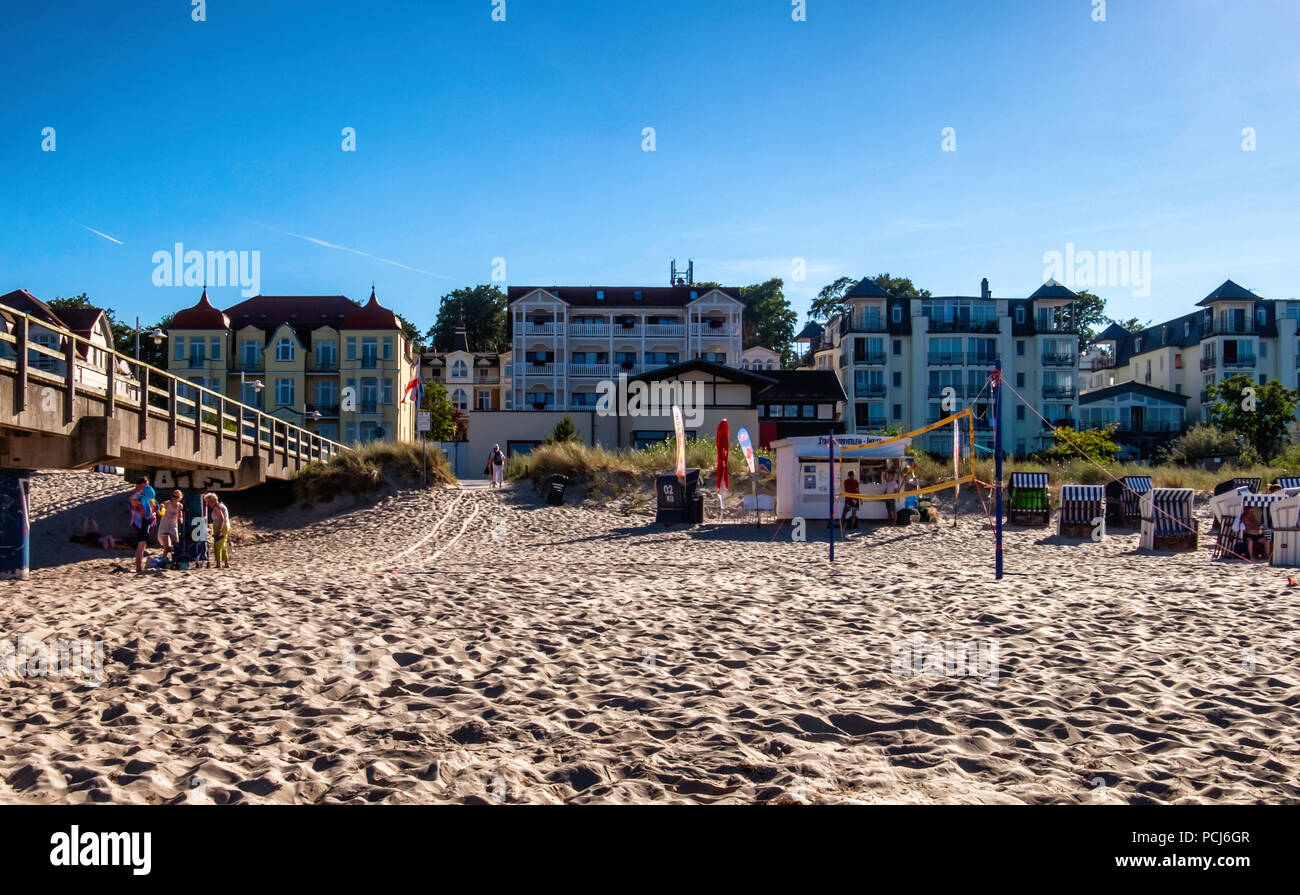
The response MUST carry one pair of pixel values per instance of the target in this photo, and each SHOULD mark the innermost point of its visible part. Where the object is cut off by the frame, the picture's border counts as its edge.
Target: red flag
(722, 477)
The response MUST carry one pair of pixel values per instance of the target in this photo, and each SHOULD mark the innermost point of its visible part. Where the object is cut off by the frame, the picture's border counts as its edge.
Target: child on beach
(169, 526)
(219, 522)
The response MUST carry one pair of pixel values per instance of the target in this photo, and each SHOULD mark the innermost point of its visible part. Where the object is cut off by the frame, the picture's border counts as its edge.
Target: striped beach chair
(1123, 500)
(1288, 482)
(1081, 511)
(1252, 484)
(1285, 515)
(1028, 502)
(1167, 522)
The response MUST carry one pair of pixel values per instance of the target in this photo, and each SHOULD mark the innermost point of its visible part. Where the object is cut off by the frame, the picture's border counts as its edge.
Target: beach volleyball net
(951, 436)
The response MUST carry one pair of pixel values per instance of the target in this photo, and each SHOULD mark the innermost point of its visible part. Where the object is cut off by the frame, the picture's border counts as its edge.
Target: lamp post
(156, 334)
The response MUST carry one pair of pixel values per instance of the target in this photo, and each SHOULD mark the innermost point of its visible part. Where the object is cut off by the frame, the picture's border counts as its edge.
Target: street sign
(424, 421)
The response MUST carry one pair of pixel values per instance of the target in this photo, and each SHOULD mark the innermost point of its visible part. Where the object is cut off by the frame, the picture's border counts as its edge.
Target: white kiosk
(803, 473)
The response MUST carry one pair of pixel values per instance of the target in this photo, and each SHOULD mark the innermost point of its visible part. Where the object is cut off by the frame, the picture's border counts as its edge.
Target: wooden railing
(164, 395)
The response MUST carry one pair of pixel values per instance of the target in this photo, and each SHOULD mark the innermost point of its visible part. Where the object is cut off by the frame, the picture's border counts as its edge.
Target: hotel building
(899, 358)
(323, 362)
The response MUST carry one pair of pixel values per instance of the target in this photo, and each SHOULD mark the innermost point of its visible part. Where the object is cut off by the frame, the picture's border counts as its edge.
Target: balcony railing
(368, 406)
(598, 330)
(870, 390)
(871, 358)
(665, 330)
(1240, 363)
(980, 359)
(1098, 362)
(1060, 360)
(706, 329)
(963, 326)
(198, 363)
(1058, 391)
(533, 369)
(1063, 327)
(945, 358)
(938, 391)
(1227, 326)
(1209, 363)
(487, 378)
(369, 363)
(874, 323)
(327, 366)
(590, 371)
(541, 329)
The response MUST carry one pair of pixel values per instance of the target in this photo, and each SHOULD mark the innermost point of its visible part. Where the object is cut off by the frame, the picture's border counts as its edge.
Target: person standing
(496, 466)
(169, 525)
(851, 487)
(143, 501)
(893, 484)
(219, 523)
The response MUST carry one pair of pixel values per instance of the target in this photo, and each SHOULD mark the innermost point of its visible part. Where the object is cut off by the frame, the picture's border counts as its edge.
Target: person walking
(169, 525)
(219, 523)
(893, 484)
(143, 502)
(496, 466)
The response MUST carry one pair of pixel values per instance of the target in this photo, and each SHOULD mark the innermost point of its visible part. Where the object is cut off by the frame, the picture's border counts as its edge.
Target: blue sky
(775, 140)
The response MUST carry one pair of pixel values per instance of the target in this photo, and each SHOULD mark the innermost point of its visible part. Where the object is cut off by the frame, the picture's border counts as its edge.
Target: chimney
(984, 288)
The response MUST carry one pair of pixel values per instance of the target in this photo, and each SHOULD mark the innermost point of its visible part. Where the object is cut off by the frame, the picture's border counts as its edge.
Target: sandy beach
(464, 645)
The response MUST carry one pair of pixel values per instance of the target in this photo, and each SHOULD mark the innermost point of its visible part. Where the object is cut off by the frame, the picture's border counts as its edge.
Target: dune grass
(581, 462)
(366, 468)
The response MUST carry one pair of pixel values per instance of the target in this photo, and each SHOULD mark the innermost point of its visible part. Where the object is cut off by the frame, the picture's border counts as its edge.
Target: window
(326, 393)
(460, 400)
(325, 355)
(580, 399)
(637, 295)
(1187, 328)
(898, 380)
(716, 357)
(388, 390)
(1263, 348)
(600, 295)
(284, 392)
(665, 358)
(896, 315)
(485, 400)
(250, 351)
(898, 411)
(284, 350)
(898, 347)
(388, 348)
(214, 347)
(1020, 314)
(459, 370)
(179, 346)
(1020, 380)
(249, 395)
(510, 400)
(1020, 348)
(352, 348)
(774, 411)
(809, 411)
(1263, 379)
(369, 396)
(369, 352)
(1020, 412)
(196, 352)
(1262, 316)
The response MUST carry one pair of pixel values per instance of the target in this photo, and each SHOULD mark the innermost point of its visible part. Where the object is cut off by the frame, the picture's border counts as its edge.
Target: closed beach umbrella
(722, 479)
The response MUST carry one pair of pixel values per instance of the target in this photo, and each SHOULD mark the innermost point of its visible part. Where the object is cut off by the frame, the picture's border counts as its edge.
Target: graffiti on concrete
(199, 479)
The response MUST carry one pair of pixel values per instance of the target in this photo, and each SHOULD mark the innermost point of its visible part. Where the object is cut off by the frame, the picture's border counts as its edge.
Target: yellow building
(323, 362)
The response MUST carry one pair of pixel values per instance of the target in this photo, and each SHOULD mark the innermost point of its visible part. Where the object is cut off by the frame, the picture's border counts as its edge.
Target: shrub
(1201, 441)
(366, 468)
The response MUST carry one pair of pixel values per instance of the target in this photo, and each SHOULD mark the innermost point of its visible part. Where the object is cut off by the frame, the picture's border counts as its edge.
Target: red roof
(202, 316)
(22, 300)
(372, 316)
(81, 321)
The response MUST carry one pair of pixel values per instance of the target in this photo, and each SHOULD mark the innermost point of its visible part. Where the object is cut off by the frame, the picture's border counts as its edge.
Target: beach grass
(364, 469)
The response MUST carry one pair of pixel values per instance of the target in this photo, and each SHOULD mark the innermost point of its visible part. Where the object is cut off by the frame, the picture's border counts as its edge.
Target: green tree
(1260, 415)
(484, 309)
(1097, 445)
(769, 319)
(416, 337)
(564, 430)
(1200, 441)
(830, 301)
(442, 415)
(899, 287)
(124, 332)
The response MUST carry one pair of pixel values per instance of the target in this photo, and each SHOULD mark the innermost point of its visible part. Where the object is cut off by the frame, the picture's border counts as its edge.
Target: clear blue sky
(775, 140)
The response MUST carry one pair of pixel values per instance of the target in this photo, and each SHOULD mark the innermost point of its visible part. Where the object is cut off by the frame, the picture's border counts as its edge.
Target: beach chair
(1252, 484)
(1291, 482)
(1081, 511)
(1285, 518)
(1167, 522)
(1131, 491)
(1028, 502)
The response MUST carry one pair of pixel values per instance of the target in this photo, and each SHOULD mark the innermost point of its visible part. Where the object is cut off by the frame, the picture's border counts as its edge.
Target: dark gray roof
(801, 386)
(1053, 289)
(1229, 291)
(1112, 333)
(1123, 388)
(867, 288)
(810, 332)
(624, 296)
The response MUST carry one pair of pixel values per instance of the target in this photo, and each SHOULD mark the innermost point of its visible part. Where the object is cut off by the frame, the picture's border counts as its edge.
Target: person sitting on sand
(851, 486)
(169, 526)
(219, 523)
(1253, 533)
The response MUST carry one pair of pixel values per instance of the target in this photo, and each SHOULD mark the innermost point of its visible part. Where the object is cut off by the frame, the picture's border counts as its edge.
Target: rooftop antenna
(676, 279)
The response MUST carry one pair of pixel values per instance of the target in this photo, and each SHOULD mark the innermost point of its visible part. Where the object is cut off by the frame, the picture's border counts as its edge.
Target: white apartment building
(567, 339)
(1235, 333)
(898, 359)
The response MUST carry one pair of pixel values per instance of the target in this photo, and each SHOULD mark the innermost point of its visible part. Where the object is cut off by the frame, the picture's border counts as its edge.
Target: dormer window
(1020, 314)
(695, 294)
(896, 313)
(1164, 337)
(1187, 328)
(600, 295)
(637, 295)
(1138, 345)
(1261, 315)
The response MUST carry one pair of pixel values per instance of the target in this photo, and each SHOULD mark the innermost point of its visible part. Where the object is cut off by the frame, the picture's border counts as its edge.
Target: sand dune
(471, 646)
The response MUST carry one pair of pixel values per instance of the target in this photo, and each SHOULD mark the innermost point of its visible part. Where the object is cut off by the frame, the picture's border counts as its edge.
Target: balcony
(1058, 392)
(709, 329)
(1228, 326)
(323, 366)
(541, 329)
(1240, 362)
(487, 379)
(865, 323)
(1098, 362)
(963, 326)
(1209, 363)
(945, 358)
(665, 330)
(369, 362)
(1062, 360)
(323, 409)
(535, 369)
(981, 359)
(198, 363)
(368, 405)
(870, 390)
(1067, 422)
(590, 371)
(938, 391)
(870, 358)
(1056, 327)
(590, 330)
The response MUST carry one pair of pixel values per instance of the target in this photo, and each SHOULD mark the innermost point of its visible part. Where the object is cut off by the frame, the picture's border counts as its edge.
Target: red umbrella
(722, 479)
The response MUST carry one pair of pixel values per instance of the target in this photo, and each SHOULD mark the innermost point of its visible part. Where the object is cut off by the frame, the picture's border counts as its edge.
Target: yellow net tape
(845, 448)
(969, 477)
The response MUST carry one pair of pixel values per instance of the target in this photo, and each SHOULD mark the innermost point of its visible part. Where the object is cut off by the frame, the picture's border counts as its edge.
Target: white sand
(477, 646)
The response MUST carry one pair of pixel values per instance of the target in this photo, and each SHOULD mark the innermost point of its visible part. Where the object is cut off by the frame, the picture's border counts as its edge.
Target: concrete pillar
(15, 530)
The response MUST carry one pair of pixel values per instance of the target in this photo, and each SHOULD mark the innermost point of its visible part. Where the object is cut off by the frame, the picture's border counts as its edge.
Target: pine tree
(564, 430)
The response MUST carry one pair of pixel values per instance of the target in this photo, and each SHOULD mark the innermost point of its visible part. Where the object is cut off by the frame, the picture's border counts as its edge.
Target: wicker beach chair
(1285, 519)
(1288, 482)
(1167, 522)
(1123, 501)
(1028, 502)
(1249, 482)
(1081, 510)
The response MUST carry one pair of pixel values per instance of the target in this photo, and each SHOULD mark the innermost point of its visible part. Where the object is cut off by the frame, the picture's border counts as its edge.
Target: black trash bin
(555, 493)
(675, 503)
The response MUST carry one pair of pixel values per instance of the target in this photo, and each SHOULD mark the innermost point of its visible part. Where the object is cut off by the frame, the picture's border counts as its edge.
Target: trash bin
(675, 503)
(555, 494)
